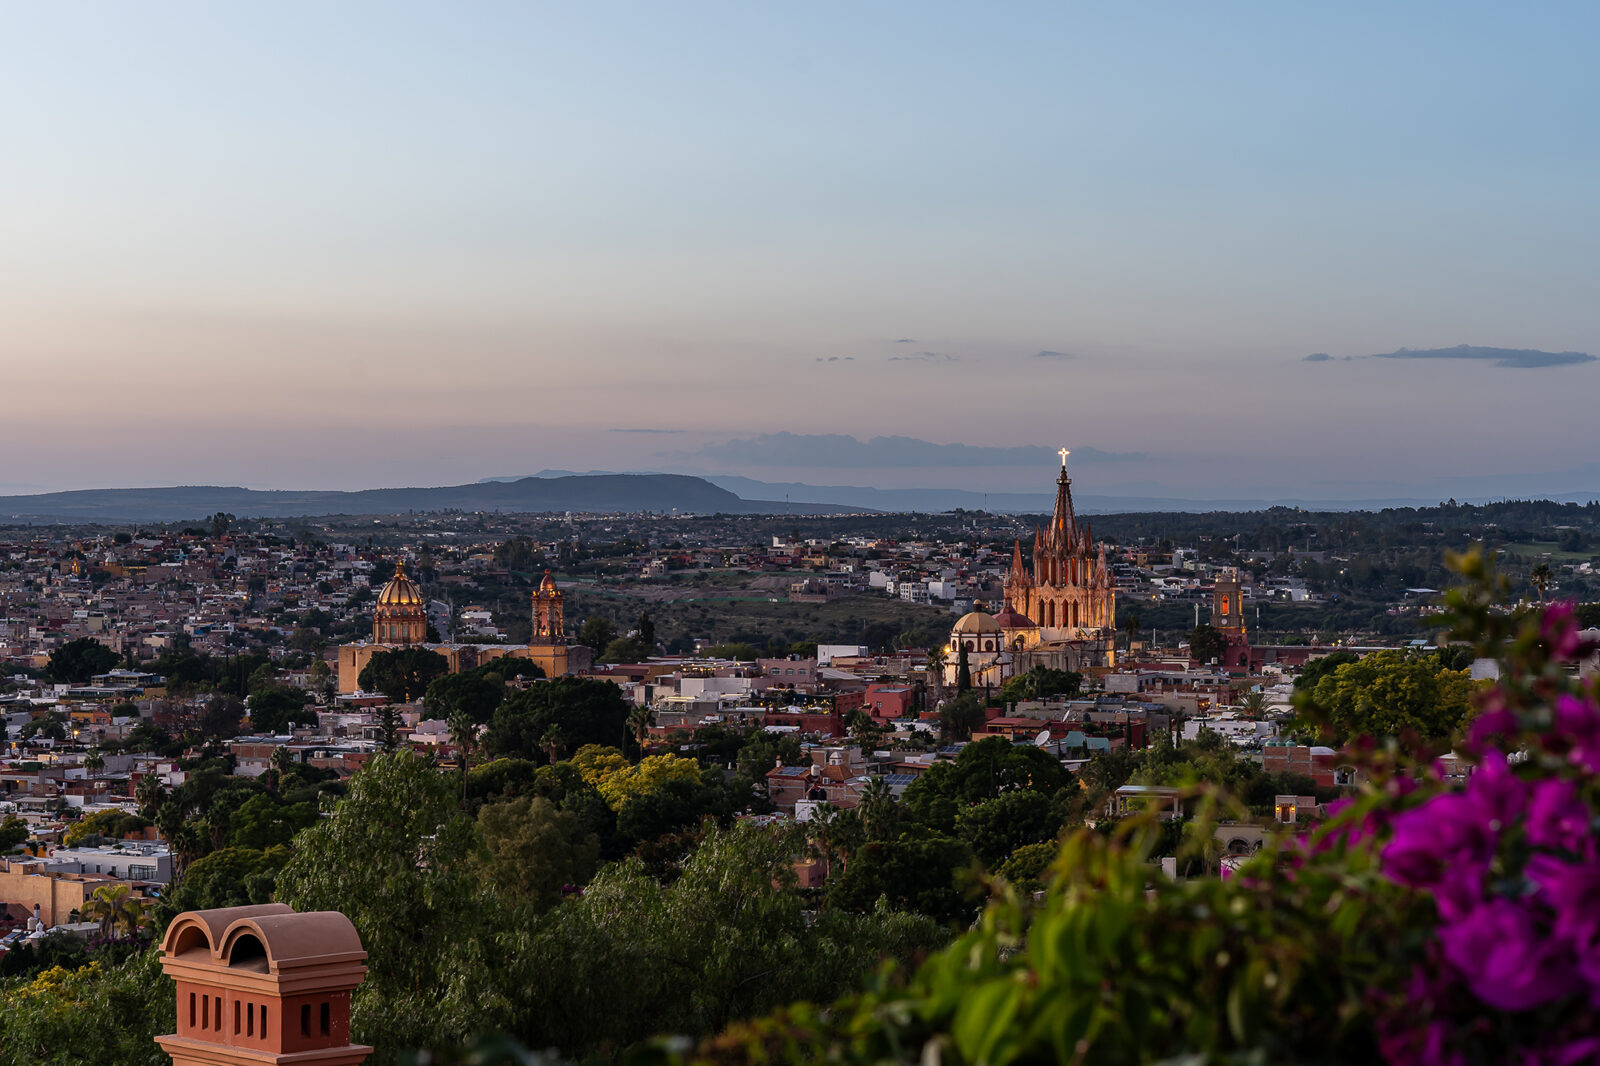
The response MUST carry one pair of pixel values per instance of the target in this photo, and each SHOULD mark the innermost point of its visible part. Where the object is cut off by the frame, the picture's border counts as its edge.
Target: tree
(221, 717)
(1206, 643)
(77, 661)
(262, 822)
(117, 910)
(475, 693)
(149, 793)
(396, 858)
(388, 717)
(403, 674)
(220, 523)
(640, 719)
(597, 632)
(535, 850)
(963, 671)
(918, 872)
(1540, 577)
(997, 827)
(1388, 694)
(230, 877)
(646, 627)
(625, 650)
(585, 710)
(959, 716)
(13, 831)
(94, 761)
(277, 708)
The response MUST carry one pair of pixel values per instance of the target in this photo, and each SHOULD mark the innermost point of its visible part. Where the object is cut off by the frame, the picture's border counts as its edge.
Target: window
(326, 1011)
(236, 1018)
(218, 1025)
(249, 1020)
(141, 873)
(263, 1021)
(305, 1019)
(191, 1010)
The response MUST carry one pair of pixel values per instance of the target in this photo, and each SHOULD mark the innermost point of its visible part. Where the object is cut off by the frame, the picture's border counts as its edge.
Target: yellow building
(400, 620)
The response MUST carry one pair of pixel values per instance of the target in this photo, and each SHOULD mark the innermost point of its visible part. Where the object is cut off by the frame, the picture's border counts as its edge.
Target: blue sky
(360, 244)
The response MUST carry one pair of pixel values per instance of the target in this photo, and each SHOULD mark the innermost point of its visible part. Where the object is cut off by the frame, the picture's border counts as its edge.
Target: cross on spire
(1064, 453)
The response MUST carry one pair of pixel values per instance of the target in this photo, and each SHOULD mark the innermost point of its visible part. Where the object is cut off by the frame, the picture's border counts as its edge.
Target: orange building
(263, 985)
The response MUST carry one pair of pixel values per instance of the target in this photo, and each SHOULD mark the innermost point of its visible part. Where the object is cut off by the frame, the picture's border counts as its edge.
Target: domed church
(400, 620)
(1061, 614)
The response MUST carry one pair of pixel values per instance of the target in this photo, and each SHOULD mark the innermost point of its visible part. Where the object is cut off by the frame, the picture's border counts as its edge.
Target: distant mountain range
(559, 491)
(858, 497)
(599, 493)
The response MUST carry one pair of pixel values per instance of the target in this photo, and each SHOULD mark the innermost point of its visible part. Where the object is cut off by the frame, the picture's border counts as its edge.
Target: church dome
(1009, 619)
(548, 585)
(974, 623)
(401, 591)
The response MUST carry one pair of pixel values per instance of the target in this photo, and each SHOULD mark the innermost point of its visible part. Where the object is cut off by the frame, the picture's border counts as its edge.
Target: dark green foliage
(475, 693)
(582, 710)
(920, 872)
(535, 850)
(996, 828)
(231, 877)
(395, 857)
(76, 661)
(1315, 670)
(1206, 644)
(262, 822)
(278, 708)
(404, 674)
(982, 771)
(1041, 682)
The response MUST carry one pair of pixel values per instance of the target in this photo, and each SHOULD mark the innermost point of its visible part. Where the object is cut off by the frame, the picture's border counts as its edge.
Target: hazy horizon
(1234, 253)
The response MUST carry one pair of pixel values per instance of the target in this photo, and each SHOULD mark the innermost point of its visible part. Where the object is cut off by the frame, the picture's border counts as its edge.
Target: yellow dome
(401, 591)
(976, 622)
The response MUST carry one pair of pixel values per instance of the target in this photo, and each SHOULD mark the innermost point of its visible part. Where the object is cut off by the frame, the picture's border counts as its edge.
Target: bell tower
(1227, 607)
(548, 645)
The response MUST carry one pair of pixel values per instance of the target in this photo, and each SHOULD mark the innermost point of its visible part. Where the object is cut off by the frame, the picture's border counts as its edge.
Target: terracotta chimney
(261, 985)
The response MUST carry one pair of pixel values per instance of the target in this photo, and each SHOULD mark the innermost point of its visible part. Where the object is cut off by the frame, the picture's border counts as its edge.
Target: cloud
(644, 430)
(1318, 357)
(839, 450)
(837, 359)
(1055, 355)
(925, 357)
(906, 340)
(1516, 358)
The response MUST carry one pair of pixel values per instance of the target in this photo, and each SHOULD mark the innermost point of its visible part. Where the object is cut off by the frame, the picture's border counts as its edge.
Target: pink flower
(1507, 961)
(1558, 818)
(1572, 891)
(1559, 628)
(1577, 726)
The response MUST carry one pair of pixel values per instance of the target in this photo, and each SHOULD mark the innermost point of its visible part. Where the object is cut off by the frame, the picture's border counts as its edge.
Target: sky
(345, 245)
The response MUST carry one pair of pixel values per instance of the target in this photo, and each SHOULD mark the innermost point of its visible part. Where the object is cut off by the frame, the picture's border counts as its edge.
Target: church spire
(1063, 525)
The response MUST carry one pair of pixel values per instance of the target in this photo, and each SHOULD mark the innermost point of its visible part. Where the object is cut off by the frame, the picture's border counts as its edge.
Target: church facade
(400, 620)
(1061, 612)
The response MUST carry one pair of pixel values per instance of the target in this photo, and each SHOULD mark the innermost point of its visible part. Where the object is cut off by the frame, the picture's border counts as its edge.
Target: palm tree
(94, 762)
(1253, 703)
(552, 743)
(878, 811)
(1540, 577)
(281, 763)
(640, 719)
(116, 908)
(150, 793)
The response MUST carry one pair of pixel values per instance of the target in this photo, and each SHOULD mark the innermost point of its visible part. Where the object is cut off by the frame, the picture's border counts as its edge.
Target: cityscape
(728, 536)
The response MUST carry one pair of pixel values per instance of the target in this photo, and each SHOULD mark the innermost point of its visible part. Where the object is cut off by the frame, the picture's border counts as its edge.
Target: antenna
(1042, 739)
